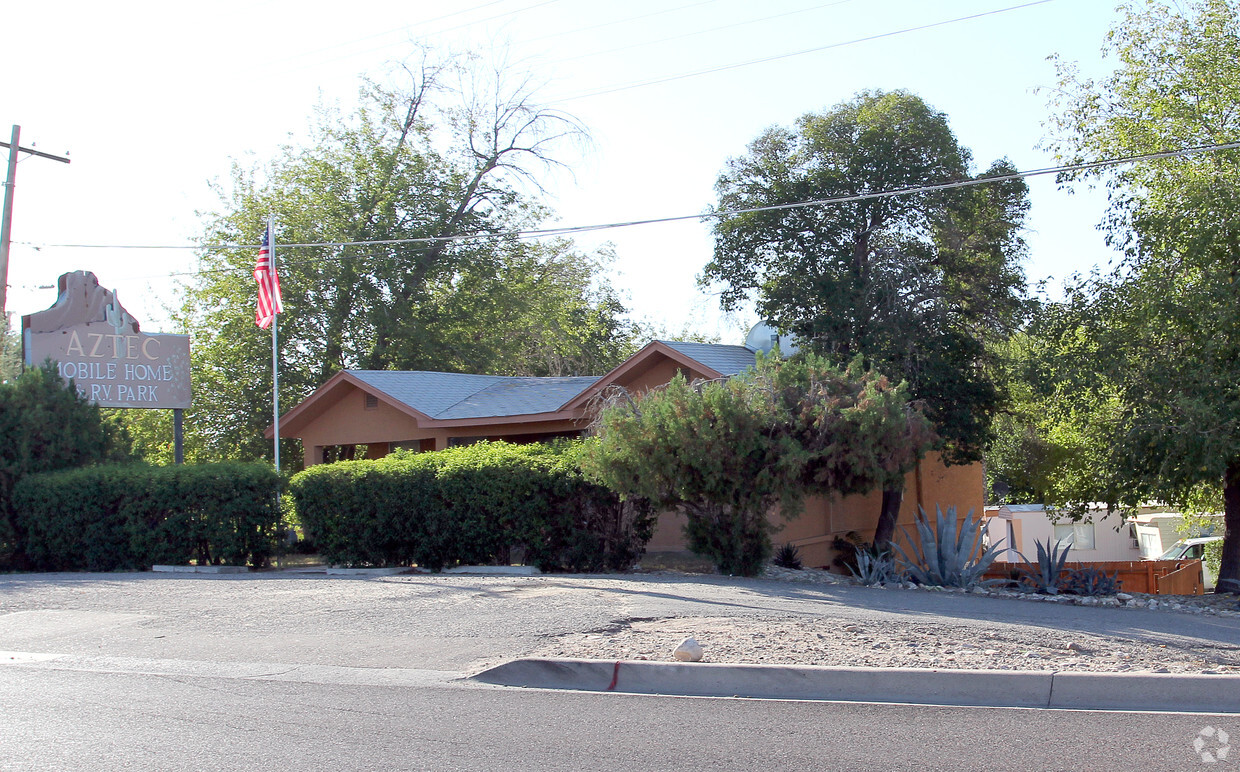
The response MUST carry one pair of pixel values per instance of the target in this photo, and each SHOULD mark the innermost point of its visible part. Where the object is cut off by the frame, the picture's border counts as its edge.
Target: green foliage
(727, 452)
(948, 555)
(45, 426)
(372, 513)
(112, 517)
(1044, 576)
(425, 164)
(1091, 581)
(10, 354)
(1142, 365)
(917, 284)
(488, 503)
(788, 556)
(846, 548)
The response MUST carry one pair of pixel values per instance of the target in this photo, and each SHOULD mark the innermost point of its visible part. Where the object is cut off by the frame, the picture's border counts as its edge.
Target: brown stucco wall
(824, 518)
(657, 371)
(347, 421)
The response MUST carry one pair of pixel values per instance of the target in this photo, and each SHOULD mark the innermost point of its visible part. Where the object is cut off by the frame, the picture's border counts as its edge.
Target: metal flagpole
(275, 361)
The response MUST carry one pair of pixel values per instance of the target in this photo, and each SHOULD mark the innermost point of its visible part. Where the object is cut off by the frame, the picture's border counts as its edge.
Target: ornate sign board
(97, 344)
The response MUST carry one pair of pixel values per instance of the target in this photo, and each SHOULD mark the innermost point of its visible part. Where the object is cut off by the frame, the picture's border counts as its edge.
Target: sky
(155, 101)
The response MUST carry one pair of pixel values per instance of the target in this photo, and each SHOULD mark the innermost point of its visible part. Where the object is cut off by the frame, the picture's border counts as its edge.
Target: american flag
(268, 286)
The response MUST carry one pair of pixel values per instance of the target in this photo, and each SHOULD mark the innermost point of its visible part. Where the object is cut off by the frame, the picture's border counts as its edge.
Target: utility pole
(6, 224)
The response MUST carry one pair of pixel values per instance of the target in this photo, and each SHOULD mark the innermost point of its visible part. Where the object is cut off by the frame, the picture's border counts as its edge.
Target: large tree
(420, 191)
(727, 452)
(1155, 343)
(916, 283)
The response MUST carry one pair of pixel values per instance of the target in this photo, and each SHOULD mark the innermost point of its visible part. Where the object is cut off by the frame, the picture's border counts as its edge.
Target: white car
(1194, 549)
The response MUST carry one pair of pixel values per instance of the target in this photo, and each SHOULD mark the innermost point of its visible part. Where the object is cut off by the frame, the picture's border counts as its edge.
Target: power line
(696, 33)
(463, 25)
(613, 22)
(571, 230)
(777, 57)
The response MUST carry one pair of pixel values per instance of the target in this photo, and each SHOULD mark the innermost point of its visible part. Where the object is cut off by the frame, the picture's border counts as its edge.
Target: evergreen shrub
(45, 426)
(486, 503)
(132, 516)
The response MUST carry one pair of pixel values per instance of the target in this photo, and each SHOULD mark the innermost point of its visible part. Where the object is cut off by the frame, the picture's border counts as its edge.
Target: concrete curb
(200, 569)
(365, 572)
(494, 570)
(979, 688)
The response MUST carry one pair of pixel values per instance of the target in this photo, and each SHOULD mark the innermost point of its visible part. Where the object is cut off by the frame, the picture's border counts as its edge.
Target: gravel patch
(798, 640)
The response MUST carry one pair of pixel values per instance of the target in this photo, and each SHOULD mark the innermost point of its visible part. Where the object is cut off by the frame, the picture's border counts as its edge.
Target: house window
(1151, 545)
(372, 402)
(1080, 536)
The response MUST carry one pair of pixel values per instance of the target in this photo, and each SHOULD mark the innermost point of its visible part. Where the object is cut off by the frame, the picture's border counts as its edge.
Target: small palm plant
(947, 555)
(1044, 576)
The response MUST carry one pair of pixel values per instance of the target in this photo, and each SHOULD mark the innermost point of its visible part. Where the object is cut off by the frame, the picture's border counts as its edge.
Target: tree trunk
(1229, 571)
(892, 498)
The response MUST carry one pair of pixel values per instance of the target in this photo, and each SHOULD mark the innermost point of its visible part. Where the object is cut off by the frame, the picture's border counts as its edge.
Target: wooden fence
(1156, 577)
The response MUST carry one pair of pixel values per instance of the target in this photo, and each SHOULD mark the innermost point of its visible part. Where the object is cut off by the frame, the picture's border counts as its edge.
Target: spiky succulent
(949, 554)
(1044, 576)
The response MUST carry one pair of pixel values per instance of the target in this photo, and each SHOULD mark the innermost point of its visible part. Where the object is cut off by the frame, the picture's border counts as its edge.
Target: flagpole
(275, 360)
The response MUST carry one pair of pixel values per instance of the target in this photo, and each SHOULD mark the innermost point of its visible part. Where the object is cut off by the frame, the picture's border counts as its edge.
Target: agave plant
(1091, 581)
(1044, 576)
(787, 556)
(947, 555)
(875, 567)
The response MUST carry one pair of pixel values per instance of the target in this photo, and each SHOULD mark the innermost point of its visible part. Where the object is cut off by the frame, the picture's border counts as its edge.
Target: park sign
(99, 346)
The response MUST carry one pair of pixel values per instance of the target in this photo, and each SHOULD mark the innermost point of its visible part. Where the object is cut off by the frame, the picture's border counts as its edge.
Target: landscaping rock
(689, 650)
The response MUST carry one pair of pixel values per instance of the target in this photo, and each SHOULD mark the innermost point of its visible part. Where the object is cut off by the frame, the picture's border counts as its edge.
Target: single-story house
(384, 410)
(1098, 537)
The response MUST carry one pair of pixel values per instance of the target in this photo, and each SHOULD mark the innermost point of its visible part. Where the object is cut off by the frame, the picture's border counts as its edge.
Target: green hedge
(133, 516)
(487, 503)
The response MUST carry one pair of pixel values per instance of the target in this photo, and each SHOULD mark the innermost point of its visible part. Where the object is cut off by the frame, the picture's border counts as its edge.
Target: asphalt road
(160, 672)
(72, 720)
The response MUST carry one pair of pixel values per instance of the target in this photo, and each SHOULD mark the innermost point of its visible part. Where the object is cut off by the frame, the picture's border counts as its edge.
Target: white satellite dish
(763, 337)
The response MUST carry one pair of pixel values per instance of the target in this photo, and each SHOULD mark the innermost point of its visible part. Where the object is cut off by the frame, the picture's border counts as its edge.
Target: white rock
(689, 650)
(1123, 597)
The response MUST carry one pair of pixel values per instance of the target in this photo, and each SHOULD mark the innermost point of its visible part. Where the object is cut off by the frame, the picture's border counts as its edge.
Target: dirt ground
(796, 640)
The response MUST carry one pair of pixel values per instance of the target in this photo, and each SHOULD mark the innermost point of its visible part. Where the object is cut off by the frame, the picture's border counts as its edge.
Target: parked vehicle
(1194, 549)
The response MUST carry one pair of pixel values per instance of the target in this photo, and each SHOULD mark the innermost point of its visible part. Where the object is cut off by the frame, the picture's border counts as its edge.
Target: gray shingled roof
(519, 396)
(458, 395)
(723, 359)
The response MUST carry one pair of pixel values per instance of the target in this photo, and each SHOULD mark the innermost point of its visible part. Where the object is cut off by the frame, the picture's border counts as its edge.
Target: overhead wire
(717, 214)
(696, 33)
(372, 49)
(613, 22)
(790, 54)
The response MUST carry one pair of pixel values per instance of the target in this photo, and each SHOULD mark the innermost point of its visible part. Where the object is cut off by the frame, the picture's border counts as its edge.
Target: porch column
(311, 455)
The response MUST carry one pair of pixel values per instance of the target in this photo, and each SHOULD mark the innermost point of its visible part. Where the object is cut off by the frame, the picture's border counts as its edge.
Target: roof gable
(723, 359)
(713, 360)
(446, 396)
(465, 397)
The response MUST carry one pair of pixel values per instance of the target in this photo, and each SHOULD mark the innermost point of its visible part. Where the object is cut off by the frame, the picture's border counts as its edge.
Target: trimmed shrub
(489, 503)
(107, 518)
(370, 513)
(45, 426)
